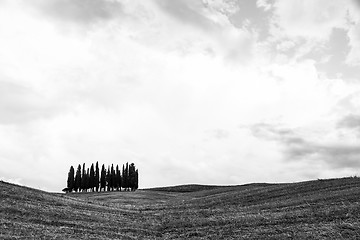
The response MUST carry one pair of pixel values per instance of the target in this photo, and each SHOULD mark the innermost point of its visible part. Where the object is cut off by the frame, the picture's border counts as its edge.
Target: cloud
(207, 27)
(335, 155)
(78, 11)
(309, 25)
(221, 134)
(353, 58)
(185, 27)
(272, 132)
(253, 16)
(332, 58)
(189, 12)
(310, 19)
(218, 134)
(349, 126)
(348, 101)
(20, 104)
(350, 121)
(264, 4)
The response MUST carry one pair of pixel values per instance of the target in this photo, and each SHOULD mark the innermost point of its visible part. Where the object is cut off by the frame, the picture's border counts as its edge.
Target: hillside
(33, 214)
(184, 188)
(198, 187)
(321, 209)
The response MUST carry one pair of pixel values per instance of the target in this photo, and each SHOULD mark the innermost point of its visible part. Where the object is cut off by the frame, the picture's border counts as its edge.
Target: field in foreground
(321, 209)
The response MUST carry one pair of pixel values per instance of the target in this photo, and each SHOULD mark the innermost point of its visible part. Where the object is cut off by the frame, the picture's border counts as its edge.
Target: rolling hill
(320, 209)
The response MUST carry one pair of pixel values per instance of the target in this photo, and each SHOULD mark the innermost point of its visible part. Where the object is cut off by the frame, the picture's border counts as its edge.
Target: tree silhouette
(132, 177)
(83, 179)
(136, 179)
(123, 182)
(92, 178)
(113, 178)
(87, 182)
(70, 181)
(106, 180)
(103, 178)
(127, 177)
(77, 184)
(118, 179)
(97, 176)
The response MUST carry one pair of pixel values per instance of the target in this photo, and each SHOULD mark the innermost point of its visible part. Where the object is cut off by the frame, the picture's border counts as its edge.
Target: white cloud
(309, 25)
(353, 58)
(285, 45)
(264, 4)
(310, 19)
(20, 104)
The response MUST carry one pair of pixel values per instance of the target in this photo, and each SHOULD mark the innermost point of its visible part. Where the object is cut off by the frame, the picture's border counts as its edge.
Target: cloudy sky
(191, 91)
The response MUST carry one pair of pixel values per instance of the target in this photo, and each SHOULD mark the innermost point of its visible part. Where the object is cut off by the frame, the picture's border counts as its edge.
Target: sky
(191, 91)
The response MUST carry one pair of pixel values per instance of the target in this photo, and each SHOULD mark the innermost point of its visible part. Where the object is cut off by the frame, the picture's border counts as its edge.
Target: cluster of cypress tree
(112, 179)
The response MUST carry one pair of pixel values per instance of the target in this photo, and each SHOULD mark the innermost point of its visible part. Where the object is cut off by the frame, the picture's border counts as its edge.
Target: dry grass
(326, 209)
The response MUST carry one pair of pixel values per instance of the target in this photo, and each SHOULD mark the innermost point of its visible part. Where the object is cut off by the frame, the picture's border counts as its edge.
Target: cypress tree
(92, 178)
(108, 179)
(97, 176)
(123, 185)
(87, 182)
(116, 182)
(118, 178)
(70, 180)
(103, 178)
(132, 176)
(77, 185)
(113, 176)
(83, 179)
(127, 177)
(136, 179)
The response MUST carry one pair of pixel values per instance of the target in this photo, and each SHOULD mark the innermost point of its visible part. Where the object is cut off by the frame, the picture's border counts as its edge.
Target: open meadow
(320, 209)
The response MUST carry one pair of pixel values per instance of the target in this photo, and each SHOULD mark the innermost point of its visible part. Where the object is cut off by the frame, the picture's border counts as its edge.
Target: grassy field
(320, 209)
